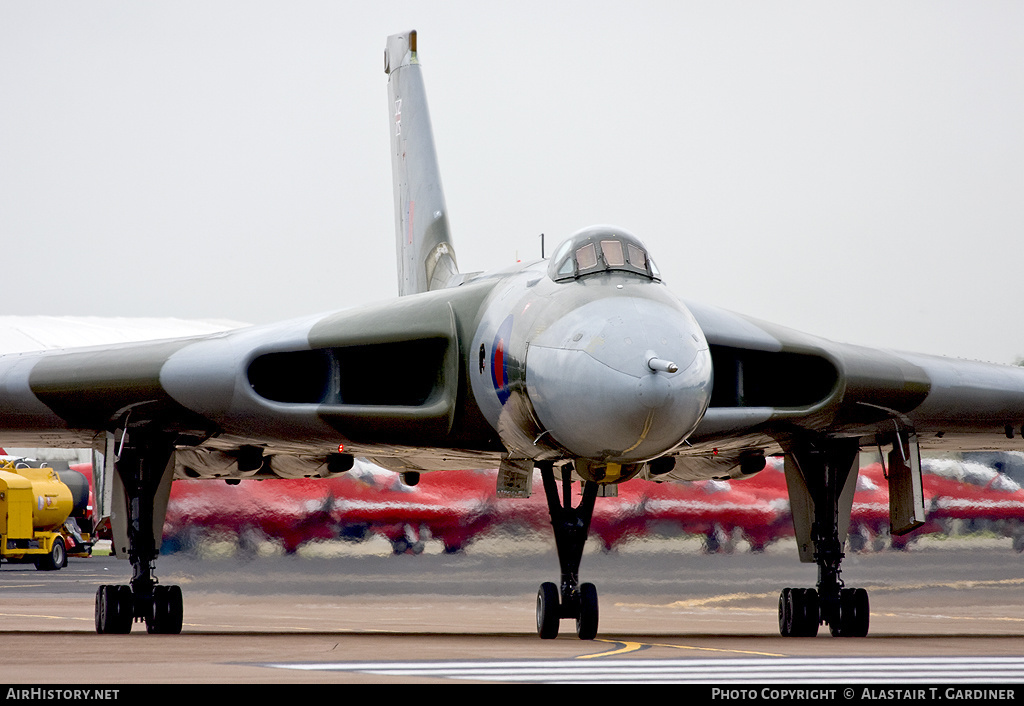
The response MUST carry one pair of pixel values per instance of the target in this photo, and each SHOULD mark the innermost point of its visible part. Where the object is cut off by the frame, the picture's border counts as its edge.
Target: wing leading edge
(774, 385)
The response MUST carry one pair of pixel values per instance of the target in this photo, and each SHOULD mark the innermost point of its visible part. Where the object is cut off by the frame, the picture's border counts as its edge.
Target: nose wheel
(586, 617)
(551, 609)
(571, 600)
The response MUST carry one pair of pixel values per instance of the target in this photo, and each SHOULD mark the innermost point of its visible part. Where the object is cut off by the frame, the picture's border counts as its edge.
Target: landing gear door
(801, 507)
(906, 491)
(110, 491)
(801, 504)
(101, 471)
(107, 489)
(515, 478)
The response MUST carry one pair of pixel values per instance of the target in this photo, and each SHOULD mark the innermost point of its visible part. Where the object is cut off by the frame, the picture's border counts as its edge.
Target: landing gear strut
(571, 525)
(143, 472)
(824, 468)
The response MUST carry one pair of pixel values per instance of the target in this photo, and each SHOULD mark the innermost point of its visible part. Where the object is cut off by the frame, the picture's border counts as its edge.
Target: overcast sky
(853, 170)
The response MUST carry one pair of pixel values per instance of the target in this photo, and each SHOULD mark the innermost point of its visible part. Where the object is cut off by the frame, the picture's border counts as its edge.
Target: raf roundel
(499, 369)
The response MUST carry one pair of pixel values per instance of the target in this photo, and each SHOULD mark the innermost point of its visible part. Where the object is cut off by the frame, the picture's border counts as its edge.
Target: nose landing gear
(571, 525)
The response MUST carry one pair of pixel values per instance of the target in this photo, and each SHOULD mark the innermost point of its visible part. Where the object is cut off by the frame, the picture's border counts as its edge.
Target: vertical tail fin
(426, 258)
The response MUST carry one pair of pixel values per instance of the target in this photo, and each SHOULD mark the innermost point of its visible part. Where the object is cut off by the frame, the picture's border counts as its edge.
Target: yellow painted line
(945, 616)
(965, 583)
(728, 597)
(644, 432)
(43, 617)
(634, 646)
(24, 585)
(626, 648)
(720, 649)
(700, 602)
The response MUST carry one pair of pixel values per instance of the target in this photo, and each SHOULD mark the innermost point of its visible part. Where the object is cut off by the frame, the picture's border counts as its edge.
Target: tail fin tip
(400, 50)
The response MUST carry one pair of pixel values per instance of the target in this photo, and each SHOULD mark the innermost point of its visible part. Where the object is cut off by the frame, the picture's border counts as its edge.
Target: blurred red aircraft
(454, 507)
(976, 497)
(720, 511)
(457, 507)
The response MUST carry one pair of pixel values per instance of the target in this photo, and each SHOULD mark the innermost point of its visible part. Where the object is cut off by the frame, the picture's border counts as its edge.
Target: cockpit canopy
(601, 249)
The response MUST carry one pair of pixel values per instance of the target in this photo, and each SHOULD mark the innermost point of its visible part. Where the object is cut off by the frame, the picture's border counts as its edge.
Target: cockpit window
(636, 256)
(612, 251)
(600, 250)
(586, 257)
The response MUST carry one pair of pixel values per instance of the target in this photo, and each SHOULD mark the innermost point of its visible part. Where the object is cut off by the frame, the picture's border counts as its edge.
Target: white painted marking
(767, 670)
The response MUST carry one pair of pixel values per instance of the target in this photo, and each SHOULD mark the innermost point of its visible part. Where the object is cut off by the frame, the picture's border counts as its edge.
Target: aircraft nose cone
(620, 380)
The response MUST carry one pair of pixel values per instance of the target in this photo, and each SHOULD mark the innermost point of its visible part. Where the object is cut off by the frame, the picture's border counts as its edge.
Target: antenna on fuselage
(541, 246)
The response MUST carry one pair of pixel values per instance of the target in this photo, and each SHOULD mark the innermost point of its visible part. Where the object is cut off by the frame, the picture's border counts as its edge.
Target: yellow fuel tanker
(34, 503)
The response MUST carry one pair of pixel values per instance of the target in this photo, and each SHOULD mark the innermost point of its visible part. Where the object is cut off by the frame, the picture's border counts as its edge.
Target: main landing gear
(824, 469)
(572, 599)
(117, 607)
(141, 488)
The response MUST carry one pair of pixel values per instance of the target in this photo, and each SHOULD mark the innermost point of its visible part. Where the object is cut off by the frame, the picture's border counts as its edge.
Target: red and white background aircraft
(452, 510)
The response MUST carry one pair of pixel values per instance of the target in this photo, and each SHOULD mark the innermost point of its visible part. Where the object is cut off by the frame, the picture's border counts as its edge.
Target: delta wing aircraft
(584, 366)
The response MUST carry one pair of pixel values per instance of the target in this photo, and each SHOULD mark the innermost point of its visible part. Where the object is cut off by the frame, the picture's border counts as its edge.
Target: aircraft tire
(586, 621)
(125, 608)
(854, 614)
(114, 610)
(798, 612)
(862, 607)
(105, 610)
(548, 611)
(806, 599)
(166, 611)
(786, 612)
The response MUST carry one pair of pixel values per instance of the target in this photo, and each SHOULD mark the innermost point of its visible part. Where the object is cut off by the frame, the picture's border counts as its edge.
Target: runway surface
(942, 612)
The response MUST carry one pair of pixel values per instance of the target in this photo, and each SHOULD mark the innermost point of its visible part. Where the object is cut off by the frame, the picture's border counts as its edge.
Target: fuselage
(605, 367)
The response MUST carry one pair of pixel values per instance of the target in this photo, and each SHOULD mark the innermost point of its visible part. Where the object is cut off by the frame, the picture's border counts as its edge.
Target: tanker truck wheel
(56, 559)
